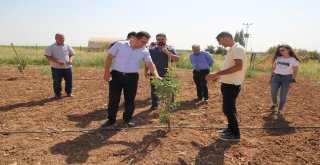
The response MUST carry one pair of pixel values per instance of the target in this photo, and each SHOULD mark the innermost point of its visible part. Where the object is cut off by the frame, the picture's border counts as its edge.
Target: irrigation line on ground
(152, 127)
(48, 78)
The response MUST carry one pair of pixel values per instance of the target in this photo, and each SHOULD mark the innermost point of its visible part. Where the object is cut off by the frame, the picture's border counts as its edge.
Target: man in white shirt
(125, 58)
(60, 56)
(231, 77)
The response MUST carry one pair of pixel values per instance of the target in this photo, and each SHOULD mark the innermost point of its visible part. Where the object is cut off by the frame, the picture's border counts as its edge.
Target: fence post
(252, 59)
(19, 60)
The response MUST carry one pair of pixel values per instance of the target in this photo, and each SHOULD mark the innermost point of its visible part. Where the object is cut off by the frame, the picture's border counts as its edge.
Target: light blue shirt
(60, 52)
(127, 59)
(203, 60)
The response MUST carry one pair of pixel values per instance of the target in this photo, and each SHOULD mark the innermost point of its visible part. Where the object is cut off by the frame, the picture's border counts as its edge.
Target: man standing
(201, 62)
(60, 57)
(131, 35)
(231, 77)
(126, 57)
(160, 56)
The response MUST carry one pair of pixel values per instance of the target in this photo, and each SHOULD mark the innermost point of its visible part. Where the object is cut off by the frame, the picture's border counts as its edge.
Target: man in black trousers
(126, 57)
(231, 77)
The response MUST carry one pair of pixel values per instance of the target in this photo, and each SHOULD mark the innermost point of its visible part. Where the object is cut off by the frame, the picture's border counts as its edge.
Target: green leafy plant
(22, 65)
(250, 73)
(166, 90)
(45, 71)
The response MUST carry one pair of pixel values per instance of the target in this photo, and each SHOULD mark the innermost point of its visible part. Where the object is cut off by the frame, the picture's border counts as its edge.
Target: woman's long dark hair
(278, 54)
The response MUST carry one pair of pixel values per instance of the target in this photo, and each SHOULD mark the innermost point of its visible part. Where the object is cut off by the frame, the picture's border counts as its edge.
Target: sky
(185, 22)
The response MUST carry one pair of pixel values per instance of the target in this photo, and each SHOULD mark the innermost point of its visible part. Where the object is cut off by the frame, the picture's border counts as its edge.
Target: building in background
(98, 44)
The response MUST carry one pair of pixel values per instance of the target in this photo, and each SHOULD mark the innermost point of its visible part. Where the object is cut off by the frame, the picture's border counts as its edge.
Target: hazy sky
(186, 22)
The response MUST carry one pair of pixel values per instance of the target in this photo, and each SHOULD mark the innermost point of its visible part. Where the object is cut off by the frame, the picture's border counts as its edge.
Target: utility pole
(246, 35)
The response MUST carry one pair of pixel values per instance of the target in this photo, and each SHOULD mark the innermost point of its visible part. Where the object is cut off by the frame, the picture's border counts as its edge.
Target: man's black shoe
(224, 131)
(108, 123)
(230, 137)
(153, 108)
(128, 124)
(57, 96)
(197, 99)
(70, 95)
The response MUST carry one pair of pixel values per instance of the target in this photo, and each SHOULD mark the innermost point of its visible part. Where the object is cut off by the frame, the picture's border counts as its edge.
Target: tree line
(219, 50)
(303, 54)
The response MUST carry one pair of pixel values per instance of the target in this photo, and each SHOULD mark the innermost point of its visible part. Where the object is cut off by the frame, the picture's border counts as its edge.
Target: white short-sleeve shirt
(284, 66)
(236, 52)
(60, 52)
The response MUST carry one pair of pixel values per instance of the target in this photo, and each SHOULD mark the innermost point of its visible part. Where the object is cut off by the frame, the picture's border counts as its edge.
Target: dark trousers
(154, 97)
(230, 93)
(201, 83)
(129, 83)
(57, 75)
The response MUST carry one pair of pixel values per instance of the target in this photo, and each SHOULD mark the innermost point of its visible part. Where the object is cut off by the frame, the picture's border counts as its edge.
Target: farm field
(66, 131)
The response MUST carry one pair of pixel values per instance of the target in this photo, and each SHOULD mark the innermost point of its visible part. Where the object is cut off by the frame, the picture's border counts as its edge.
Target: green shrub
(45, 71)
(166, 88)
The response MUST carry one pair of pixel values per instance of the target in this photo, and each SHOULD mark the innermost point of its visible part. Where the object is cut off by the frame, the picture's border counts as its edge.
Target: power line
(247, 35)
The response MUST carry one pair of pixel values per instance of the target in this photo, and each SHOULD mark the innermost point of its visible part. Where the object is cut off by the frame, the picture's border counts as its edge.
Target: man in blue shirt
(201, 62)
(160, 57)
(126, 57)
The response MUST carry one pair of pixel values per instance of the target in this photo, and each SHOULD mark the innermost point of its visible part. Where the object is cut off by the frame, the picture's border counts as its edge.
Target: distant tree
(237, 36)
(210, 49)
(272, 49)
(303, 54)
(241, 39)
(221, 50)
(306, 55)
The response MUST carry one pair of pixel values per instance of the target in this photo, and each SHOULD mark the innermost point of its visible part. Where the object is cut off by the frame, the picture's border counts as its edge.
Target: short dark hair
(133, 33)
(58, 34)
(141, 34)
(224, 34)
(161, 34)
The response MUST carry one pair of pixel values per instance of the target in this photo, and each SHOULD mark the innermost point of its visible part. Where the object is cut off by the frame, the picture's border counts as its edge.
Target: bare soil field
(66, 131)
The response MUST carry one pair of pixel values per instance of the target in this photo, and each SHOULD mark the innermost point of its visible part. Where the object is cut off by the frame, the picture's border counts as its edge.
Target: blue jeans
(282, 82)
(57, 75)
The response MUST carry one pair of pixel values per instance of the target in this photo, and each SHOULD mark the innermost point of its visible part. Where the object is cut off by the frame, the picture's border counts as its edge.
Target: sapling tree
(166, 89)
(22, 63)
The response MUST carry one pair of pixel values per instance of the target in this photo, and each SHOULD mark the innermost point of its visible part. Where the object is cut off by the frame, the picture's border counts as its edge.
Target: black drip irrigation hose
(152, 127)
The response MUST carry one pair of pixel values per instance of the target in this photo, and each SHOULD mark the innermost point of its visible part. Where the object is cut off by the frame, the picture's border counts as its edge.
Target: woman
(284, 72)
